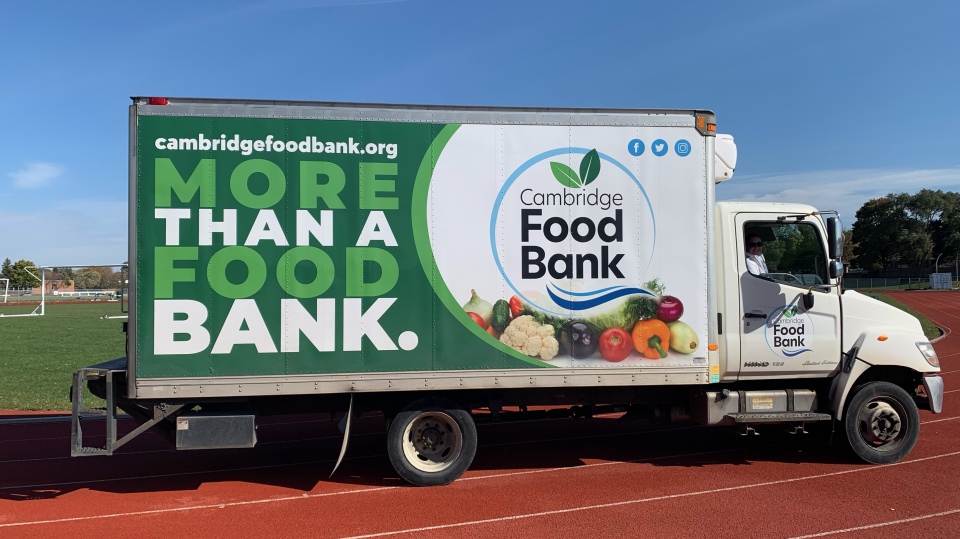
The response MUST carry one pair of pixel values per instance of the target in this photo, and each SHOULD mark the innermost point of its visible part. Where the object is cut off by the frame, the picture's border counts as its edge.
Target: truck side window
(788, 253)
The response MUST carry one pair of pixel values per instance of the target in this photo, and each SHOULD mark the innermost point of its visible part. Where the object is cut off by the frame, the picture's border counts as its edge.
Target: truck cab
(786, 322)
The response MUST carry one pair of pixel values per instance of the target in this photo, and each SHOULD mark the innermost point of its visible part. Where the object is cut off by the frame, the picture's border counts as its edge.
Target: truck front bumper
(933, 386)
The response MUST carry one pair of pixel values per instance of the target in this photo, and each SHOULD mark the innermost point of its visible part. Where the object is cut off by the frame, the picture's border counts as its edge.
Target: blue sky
(831, 103)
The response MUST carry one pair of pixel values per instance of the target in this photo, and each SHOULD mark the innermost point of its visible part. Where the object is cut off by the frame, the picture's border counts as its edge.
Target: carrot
(651, 338)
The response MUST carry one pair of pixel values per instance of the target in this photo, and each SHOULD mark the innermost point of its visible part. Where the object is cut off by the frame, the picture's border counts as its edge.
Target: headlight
(929, 353)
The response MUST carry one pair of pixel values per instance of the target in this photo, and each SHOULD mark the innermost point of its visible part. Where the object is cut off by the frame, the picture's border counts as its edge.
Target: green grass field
(39, 354)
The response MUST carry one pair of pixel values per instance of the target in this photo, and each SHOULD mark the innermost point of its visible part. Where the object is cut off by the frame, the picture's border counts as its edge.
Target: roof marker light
(159, 101)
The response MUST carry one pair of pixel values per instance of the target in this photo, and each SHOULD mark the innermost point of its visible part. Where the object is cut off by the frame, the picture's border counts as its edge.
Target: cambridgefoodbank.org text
(309, 144)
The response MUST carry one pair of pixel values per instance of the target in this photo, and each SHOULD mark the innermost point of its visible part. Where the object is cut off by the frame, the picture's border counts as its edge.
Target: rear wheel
(431, 442)
(882, 423)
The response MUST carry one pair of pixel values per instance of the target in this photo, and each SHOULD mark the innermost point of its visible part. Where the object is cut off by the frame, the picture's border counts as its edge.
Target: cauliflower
(527, 336)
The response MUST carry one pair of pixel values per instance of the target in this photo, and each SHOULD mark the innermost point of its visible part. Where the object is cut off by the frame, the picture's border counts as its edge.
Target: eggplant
(579, 339)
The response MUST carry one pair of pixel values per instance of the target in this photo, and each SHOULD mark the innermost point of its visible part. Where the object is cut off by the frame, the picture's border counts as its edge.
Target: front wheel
(882, 423)
(431, 442)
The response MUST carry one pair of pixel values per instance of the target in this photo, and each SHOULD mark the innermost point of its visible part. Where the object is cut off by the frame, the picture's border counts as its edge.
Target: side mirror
(808, 301)
(836, 269)
(834, 238)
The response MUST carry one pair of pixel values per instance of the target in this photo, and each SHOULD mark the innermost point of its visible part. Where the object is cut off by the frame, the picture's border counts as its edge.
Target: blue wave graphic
(582, 305)
(794, 354)
(591, 293)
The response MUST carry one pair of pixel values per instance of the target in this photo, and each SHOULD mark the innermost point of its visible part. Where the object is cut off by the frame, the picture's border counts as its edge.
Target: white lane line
(637, 501)
(197, 507)
(490, 476)
(879, 524)
(939, 420)
(484, 521)
(946, 329)
(169, 475)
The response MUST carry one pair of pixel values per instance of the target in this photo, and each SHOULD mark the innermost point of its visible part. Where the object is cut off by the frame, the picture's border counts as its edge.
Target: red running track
(592, 478)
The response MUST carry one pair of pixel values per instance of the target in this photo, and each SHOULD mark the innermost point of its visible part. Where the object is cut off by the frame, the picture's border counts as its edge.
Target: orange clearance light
(882, 338)
(159, 101)
(712, 128)
(700, 122)
(712, 347)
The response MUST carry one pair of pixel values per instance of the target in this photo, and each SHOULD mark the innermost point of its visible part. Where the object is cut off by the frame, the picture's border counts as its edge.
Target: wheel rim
(432, 441)
(881, 423)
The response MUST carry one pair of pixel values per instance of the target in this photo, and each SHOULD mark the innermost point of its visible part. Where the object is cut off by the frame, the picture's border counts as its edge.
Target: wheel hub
(433, 441)
(430, 438)
(880, 423)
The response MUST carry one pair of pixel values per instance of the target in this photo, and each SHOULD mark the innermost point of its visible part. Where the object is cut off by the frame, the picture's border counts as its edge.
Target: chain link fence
(890, 283)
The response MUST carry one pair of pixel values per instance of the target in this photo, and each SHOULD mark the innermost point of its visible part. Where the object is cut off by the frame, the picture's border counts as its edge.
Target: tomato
(615, 344)
(515, 306)
(478, 319)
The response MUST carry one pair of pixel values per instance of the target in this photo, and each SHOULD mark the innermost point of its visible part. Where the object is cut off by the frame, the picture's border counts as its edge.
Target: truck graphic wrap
(285, 246)
(584, 235)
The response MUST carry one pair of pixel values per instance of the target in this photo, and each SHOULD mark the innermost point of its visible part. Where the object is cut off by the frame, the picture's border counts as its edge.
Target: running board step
(781, 417)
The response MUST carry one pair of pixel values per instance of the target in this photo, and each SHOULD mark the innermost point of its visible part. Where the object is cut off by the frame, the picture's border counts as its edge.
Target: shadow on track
(299, 455)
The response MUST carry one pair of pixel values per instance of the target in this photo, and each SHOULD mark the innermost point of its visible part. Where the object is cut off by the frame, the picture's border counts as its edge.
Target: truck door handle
(755, 315)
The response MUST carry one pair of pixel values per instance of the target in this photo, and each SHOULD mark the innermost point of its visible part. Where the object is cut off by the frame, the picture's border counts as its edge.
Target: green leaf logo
(589, 170)
(790, 311)
(590, 167)
(565, 175)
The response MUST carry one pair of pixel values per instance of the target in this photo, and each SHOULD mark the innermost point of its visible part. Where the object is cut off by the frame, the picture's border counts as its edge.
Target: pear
(683, 338)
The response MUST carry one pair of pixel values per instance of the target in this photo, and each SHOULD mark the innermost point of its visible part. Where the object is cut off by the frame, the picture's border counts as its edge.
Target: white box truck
(426, 262)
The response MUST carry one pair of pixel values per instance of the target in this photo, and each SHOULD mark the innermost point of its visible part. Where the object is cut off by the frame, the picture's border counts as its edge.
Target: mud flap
(344, 427)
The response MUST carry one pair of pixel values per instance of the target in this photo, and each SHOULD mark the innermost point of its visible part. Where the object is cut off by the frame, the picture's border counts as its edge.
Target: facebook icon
(635, 147)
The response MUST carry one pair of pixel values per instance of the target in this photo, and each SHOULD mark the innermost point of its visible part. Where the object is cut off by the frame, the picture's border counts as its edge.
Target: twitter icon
(659, 147)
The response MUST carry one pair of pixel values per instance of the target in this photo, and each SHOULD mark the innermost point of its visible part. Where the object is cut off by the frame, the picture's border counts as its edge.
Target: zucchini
(500, 318)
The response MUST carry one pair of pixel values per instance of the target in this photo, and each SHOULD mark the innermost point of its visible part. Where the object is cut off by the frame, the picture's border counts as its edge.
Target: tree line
(25, 274)
(907, 230)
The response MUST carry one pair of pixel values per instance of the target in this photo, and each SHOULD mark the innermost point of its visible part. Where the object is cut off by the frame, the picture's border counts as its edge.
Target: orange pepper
(651, 338)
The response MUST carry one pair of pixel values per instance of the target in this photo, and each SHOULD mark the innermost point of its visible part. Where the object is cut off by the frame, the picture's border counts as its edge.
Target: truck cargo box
(316, 248)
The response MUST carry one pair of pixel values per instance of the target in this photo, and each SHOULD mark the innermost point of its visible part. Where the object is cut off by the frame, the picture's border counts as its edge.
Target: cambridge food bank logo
(589, 170)
(561, 237)
(788, 330)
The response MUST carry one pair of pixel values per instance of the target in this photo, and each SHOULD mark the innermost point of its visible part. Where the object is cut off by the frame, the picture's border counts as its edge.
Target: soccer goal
(101, 285)
(24, 301)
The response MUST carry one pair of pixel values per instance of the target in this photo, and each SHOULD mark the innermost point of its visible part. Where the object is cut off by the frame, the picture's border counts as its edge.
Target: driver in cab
(756, 264)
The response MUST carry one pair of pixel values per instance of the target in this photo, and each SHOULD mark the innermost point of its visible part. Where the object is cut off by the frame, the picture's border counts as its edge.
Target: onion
(480, 306)
(670, 309)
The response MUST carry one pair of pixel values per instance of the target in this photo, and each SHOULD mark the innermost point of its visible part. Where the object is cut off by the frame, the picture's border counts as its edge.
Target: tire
(431, 442)
(882, 423)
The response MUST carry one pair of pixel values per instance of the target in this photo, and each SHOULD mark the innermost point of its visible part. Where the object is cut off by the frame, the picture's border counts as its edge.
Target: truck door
(778, 262)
